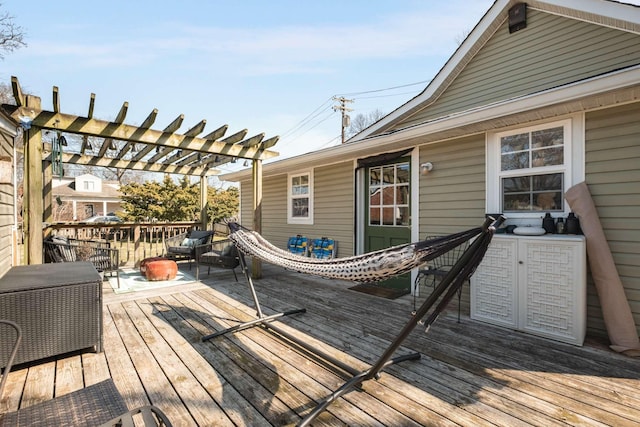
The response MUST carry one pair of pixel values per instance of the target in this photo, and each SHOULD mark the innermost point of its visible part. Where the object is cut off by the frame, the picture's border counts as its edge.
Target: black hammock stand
(369, 267)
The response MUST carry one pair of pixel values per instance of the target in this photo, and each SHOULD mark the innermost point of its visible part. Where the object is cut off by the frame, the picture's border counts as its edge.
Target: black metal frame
(451, 283)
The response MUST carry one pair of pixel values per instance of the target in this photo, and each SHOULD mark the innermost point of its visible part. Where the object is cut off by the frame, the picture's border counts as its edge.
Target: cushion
(227, 250)
(190, 242)
(185, 250)
(200, 234)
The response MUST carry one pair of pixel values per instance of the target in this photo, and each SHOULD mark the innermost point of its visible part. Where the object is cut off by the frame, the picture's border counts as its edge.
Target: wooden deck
(470, 373)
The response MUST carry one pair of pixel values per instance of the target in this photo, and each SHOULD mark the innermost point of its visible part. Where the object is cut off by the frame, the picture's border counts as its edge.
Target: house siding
(552, 51)
(452, 196)
(613, 176)
(334, 207)
(6, 209)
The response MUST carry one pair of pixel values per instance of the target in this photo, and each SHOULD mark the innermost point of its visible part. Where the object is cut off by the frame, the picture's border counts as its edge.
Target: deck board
(470, 373)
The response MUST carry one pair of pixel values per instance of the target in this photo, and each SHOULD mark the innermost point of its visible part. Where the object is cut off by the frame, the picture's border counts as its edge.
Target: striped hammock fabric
(370, 267)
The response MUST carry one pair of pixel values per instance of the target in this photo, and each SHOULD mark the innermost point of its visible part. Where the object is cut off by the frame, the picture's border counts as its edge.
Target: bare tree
(363, 121)
(11, 35)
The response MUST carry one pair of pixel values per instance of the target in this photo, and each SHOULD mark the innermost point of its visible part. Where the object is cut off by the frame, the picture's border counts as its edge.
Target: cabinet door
(494, 293)
(552, 289)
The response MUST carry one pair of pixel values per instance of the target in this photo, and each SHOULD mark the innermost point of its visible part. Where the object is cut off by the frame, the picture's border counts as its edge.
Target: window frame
(572, 168)
(308, 220)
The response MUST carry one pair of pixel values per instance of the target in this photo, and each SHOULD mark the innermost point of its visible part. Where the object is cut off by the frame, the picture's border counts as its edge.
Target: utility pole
(346, 120)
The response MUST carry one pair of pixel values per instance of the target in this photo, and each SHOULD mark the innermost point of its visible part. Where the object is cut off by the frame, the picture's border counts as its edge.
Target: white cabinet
(535, 284)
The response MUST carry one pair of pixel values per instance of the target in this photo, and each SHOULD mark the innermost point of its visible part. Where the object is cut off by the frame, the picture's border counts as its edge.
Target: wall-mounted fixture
(425, 168)
(517, 17)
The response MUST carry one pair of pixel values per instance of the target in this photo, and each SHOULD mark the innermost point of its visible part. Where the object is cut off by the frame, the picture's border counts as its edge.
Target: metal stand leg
(262, 319)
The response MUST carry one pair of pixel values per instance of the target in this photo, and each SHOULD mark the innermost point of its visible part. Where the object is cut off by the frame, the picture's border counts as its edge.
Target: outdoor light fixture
(425, 168)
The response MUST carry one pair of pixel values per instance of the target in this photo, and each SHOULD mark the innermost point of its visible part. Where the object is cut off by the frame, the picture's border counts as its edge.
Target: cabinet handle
(520, 262)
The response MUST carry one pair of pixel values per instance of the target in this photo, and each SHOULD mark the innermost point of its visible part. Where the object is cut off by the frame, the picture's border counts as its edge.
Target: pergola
(122, 146)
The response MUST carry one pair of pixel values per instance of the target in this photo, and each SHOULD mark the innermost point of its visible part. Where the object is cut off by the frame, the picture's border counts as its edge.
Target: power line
(383, 90)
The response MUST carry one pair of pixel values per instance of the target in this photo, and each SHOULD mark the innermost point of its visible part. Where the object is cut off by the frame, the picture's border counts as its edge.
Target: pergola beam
(108, 143)
(78, 159)
(124, 132)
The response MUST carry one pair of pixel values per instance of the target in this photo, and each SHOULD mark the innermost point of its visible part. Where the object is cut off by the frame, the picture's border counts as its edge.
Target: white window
(529, 169)
(300, 198)
(88, 185)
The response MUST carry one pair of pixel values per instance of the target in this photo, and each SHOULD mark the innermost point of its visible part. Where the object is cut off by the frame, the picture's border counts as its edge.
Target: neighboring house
(567, 79)
(8, 221)
(83, 197)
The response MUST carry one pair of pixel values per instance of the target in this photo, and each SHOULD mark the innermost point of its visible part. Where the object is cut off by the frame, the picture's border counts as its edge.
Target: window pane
(403, 173)
(552, 181)
(374, 176)
(516, 184)
(402, 196)
(547, 137)
(388, 216)
(300, 207)
(515, 161)
(374, 216)
(388, 175)
(402, 215)
(304, 179)
(374, 196)
(517, 202)
(511, 143)
(548, 201)
(548, 157)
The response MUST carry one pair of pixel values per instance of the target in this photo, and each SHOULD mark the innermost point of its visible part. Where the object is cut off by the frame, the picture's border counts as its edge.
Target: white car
(102, 218)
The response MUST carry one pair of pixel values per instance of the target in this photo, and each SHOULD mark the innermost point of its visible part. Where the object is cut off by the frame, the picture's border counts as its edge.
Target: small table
(158, 268)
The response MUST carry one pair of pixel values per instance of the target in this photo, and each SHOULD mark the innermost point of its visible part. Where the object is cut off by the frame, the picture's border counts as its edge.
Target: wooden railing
(136, 241)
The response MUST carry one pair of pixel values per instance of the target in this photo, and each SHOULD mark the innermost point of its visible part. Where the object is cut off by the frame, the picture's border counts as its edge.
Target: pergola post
(33, 188)
(256, 264)
(47, 196)
(204, 219)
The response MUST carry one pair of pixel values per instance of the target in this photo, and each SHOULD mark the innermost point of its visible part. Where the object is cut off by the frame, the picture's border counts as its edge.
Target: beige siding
(550, 52)
(6, 210)
(334, 207)
(613, 176)
(452, 196)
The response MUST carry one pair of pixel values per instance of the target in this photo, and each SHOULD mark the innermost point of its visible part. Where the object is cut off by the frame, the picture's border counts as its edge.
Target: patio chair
(324, 248)
(99, 253)
(183, 246)
(298, 245)
(438, 269)
(100, 404)
(218, 254)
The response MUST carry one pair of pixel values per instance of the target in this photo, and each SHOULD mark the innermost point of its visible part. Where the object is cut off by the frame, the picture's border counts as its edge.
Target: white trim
(297, 220)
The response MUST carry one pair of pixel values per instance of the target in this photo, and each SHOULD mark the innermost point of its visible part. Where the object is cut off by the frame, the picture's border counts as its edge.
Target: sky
(270, 67)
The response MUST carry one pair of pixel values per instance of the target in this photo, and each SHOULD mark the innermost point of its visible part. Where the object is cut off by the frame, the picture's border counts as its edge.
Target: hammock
(370, 267)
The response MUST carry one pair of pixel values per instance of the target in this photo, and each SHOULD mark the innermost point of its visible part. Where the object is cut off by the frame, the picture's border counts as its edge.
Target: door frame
(361, 202)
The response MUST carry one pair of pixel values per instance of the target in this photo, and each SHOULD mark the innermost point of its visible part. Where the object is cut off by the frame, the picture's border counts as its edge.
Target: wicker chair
(218, 254)
(65, 249)
(100, 404)
(183, 246)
